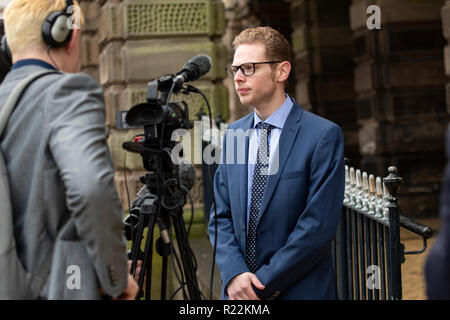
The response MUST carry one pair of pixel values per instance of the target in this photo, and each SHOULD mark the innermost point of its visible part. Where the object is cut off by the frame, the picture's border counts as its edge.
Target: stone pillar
(89, 53)
(137, 41)
(400, 87)
(238, 16)
(322, 46)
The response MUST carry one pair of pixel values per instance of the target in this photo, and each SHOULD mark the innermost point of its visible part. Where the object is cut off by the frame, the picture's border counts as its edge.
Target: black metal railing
(367, 252)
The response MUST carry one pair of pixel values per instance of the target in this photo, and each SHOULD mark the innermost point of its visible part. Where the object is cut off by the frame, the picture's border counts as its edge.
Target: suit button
(112, 276)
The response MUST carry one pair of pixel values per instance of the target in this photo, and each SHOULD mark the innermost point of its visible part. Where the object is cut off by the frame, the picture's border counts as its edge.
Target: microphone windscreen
(204, 64)
(186, 172)
(196, 68)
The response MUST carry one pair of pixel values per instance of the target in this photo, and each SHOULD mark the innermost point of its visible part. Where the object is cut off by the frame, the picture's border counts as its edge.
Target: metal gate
(367, 252)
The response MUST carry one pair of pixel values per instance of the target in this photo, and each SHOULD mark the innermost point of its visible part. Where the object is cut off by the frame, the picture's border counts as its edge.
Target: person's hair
(277, 47)
(24, 20)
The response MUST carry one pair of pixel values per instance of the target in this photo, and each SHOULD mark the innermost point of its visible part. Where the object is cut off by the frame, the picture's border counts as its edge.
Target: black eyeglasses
(247, 68)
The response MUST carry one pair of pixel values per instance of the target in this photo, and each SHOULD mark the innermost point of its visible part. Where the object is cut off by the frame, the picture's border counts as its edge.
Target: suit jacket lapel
(287, 139)
(243, 169)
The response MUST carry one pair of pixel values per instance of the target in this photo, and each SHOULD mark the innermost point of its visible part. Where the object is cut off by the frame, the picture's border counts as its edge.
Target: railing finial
(393, 182)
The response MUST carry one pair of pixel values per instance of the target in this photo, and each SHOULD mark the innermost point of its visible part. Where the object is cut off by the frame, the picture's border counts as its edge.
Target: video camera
(158, 110)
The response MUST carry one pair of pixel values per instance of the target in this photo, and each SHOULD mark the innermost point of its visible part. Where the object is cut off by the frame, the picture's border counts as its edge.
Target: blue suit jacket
(299, 212)
(437, 267)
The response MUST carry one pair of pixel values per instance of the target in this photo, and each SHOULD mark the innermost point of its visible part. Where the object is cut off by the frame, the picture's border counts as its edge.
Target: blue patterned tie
(258, 187)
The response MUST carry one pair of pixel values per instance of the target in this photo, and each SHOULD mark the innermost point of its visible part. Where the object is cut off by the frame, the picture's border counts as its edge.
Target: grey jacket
(62, 186)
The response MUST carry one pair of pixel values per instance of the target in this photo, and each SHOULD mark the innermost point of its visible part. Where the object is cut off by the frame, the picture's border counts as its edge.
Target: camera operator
(66, 209)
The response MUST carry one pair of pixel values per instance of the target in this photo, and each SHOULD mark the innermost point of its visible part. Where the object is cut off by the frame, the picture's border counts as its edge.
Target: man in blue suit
(280, 185)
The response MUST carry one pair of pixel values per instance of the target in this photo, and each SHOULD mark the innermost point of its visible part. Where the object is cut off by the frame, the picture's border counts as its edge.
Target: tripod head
(174, 195)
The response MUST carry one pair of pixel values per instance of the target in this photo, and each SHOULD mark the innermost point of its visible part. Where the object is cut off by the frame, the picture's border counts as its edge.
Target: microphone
(194, 69)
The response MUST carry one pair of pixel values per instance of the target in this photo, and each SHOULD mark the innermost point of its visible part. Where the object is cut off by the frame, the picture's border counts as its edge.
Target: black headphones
(55, 31)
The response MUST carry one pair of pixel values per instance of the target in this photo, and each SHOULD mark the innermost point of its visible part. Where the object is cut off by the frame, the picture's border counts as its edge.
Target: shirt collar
(32, 62)
(278, 118)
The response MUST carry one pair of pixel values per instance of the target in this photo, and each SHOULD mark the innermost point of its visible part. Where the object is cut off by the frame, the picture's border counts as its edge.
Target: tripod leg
(148, 279)
(186, 257)
(147, 261)
(163, 247)
(164, 278)
(136, 245)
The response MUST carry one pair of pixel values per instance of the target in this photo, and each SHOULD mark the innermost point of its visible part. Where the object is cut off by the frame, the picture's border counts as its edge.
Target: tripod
(154, 209)
(163, 201)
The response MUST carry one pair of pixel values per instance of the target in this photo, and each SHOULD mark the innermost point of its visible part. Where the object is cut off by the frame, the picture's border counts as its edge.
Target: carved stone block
(172, 17)
(149, 59)
(111, 61)
(89, 51)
